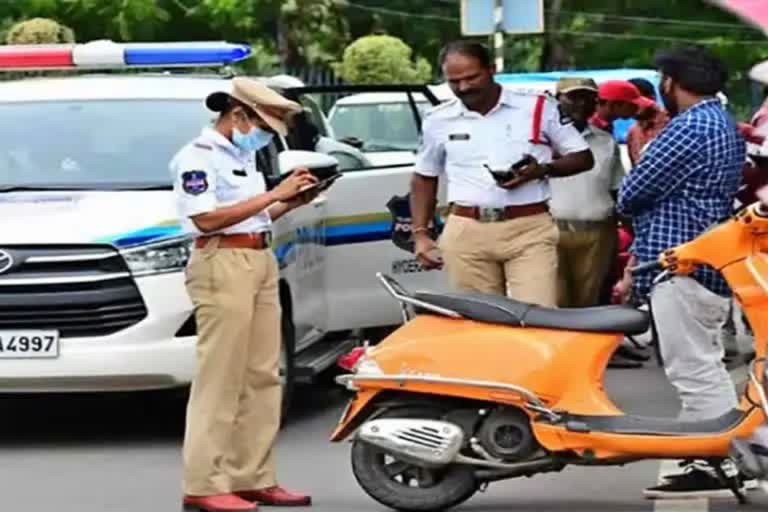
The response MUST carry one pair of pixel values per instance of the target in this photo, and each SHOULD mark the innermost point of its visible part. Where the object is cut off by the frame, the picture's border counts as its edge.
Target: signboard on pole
(478, 17)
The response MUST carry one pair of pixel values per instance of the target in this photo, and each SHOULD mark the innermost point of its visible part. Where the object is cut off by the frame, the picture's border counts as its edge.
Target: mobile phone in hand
(501, 176)
(527, 159)
(322, 184)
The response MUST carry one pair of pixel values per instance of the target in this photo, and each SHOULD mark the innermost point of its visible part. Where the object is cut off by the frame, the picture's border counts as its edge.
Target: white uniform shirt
(209, 173)
(587, 196)
(458, 142)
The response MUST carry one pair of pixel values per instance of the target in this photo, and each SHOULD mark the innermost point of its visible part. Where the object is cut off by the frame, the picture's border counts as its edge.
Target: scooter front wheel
(405, 486)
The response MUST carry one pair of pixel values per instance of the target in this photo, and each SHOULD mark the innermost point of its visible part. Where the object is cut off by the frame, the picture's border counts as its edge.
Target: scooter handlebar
(645, 267)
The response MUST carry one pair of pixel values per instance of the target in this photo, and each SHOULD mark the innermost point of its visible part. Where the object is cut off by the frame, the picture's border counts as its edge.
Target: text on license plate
(29, 344)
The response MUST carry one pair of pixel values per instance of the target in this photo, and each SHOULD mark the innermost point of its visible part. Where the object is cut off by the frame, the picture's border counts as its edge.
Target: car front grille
(81, 291)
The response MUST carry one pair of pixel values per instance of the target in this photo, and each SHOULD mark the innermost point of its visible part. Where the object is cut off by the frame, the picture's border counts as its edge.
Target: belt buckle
(490, 214)
(566, 225)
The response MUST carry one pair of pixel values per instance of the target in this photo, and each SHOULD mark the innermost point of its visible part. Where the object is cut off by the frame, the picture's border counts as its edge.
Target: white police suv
(92, 294)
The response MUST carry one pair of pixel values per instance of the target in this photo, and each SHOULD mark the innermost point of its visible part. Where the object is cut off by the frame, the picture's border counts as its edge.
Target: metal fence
(314, 75)
(318, 75)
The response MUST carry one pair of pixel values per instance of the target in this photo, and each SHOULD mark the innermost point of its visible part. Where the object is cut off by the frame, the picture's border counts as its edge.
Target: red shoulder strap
(537, 115)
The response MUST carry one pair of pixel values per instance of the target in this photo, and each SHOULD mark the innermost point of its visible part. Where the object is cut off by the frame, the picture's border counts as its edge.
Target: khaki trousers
(584, 260)
(516, 257)
(233, 414)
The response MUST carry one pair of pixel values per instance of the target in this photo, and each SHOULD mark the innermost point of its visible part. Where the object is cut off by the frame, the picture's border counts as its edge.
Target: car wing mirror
(321, 165)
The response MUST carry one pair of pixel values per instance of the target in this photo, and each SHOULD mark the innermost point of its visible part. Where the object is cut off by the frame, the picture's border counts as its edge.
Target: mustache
(468, 92)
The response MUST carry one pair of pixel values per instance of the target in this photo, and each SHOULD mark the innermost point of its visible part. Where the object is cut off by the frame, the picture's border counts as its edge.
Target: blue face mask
(253, 140)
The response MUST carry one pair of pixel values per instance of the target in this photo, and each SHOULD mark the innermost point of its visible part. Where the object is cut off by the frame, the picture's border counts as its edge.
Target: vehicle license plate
(29, 344)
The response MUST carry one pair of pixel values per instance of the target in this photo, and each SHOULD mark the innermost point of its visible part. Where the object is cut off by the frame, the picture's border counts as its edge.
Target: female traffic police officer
(232, 278)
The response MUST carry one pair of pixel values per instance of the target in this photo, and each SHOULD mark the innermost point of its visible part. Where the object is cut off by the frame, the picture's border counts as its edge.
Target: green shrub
(380, 59)
(39, 31)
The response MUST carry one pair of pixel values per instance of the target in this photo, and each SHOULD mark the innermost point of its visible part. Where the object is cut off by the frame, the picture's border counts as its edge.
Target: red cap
(622, 90)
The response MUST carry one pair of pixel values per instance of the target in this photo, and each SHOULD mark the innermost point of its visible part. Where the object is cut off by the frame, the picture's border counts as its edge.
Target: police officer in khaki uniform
(234, 409)
(499, 237)
(584, 205)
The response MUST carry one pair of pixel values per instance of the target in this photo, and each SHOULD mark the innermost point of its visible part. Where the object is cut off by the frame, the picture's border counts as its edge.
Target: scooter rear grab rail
(401, 294)
(534, 402)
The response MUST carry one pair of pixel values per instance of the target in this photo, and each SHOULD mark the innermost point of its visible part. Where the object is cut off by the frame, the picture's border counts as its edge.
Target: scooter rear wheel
(407, 487)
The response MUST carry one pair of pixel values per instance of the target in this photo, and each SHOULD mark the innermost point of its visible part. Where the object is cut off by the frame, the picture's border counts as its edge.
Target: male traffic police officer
(232, 278)
(499, 237)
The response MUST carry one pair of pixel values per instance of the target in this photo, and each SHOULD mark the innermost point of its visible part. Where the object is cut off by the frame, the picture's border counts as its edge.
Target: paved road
(120, 453)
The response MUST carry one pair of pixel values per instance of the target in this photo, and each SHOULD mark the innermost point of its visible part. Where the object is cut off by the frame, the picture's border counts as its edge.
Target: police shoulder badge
(194, 182)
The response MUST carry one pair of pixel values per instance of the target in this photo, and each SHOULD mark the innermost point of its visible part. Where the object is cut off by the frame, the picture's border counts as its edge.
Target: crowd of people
(543, 210)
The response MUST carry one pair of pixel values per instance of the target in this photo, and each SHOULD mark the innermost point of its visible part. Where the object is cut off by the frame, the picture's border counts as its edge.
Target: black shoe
(696, 483)
(619, 361)
(633, 354)
(749, 483)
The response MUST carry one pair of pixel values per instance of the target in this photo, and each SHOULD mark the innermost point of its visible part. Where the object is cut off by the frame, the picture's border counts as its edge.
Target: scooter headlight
(158, 258)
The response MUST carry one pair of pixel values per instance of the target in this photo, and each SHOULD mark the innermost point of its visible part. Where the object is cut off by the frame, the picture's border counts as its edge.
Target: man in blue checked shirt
(683, 185)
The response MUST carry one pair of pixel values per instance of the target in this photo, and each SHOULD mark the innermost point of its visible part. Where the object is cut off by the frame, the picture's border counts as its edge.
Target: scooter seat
(502, 310)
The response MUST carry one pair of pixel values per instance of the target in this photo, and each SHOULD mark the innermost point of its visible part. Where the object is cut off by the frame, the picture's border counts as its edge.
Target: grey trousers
(689, 318)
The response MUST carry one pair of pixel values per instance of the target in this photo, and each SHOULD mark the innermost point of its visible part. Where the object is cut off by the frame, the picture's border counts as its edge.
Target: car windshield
(98, 144)
(380, 126)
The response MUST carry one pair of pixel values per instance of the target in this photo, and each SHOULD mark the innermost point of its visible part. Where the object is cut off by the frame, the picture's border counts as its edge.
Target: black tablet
(323, 183)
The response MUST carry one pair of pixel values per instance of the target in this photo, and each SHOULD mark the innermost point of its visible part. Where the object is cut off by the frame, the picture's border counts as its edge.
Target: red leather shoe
(218, 503)
(277, 497)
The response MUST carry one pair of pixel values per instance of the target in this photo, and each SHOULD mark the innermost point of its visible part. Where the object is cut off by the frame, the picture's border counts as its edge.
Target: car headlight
(158, 258)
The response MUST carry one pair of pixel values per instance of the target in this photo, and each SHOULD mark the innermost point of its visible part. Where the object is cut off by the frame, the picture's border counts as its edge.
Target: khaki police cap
(569, 84)
(273, 108)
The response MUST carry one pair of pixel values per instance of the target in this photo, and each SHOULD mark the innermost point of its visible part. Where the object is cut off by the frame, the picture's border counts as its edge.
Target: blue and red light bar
(107, 54)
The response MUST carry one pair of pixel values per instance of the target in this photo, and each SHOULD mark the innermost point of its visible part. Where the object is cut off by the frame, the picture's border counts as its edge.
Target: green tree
(312, 31)
(425, 25)
(627, 33)
(299, 32)
(379, 59)
(125, 20)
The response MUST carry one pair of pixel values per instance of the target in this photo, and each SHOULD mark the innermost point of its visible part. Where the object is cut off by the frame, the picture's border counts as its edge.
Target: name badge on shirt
(458, 136)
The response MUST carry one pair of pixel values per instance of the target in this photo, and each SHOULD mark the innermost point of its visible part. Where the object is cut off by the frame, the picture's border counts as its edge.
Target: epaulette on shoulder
(202, 146)
(526, 91)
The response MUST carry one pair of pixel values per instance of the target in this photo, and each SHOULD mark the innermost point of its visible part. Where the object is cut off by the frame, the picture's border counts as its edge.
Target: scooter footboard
(594, 444)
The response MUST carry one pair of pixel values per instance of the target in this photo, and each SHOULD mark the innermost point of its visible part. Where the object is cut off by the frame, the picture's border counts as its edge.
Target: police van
(92, 257)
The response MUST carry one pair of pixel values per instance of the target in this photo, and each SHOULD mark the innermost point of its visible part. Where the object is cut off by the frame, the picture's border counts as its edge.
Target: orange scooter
(475, 388)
